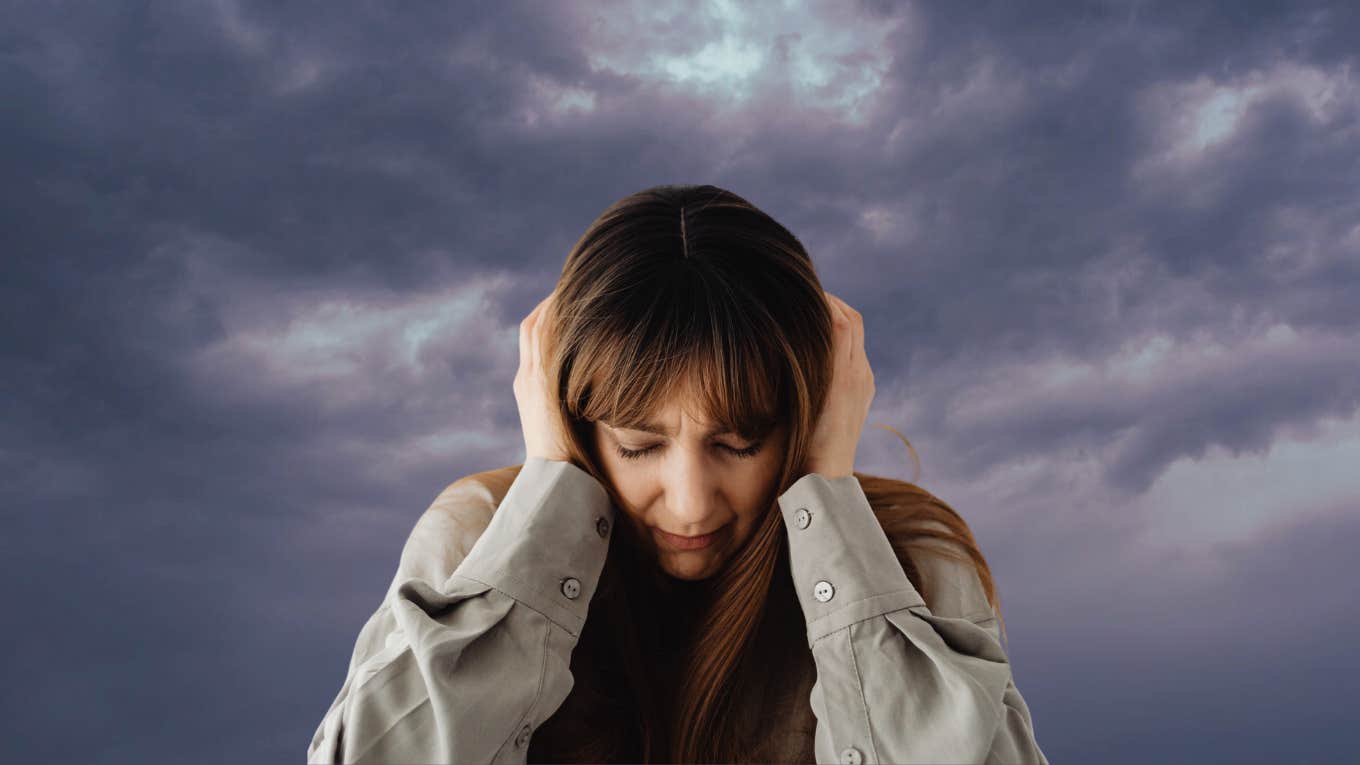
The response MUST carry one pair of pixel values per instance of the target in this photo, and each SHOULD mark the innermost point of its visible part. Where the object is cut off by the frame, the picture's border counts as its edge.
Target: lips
(689, 543)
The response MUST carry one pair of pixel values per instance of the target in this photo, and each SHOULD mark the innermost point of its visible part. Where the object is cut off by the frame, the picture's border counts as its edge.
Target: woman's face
(690, 482)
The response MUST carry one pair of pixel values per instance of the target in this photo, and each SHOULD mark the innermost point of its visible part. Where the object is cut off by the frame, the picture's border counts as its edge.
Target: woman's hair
(692, 293)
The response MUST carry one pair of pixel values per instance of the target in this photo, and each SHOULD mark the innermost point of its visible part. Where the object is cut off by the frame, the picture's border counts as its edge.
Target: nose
(691, 494)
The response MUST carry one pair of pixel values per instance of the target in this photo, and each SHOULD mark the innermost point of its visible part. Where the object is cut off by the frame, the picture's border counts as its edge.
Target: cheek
(620, 472)
(628, 479)
(767, 472)
(753, 488)
(757, 494)
(630, 484)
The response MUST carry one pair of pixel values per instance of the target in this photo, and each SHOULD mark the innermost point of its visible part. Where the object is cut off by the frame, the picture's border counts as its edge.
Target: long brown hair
(693, 291)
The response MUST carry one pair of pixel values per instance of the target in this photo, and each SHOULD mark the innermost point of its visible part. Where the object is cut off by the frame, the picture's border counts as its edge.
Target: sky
(264, 267)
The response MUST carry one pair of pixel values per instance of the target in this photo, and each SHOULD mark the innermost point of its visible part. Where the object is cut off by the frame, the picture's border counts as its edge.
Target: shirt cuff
(844, 569)
(547, 541)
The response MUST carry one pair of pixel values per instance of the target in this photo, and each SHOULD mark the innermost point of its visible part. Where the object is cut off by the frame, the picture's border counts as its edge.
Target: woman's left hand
(835, 437)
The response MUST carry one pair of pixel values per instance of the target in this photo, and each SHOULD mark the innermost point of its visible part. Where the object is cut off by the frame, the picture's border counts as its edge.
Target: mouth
(689, 543)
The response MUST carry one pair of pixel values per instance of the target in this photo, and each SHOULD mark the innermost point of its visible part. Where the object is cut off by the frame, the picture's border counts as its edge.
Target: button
(602, 527)
(571, 587)
(823, 591)
(851, 756)
(802, 517)
(523, 737)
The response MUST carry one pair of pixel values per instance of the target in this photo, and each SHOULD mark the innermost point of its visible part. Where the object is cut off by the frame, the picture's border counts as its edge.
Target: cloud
(266, 265)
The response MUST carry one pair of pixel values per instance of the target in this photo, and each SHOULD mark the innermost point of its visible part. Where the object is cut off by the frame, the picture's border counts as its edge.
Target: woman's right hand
(539, 414)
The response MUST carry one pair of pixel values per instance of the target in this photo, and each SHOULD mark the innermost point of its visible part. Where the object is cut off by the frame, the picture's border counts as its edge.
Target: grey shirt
(470, 649)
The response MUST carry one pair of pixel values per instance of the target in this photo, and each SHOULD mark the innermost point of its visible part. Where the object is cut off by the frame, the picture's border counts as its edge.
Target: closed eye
(633, 454)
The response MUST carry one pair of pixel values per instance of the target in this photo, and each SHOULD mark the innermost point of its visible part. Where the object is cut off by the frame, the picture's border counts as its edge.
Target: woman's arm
(466, 656)
(895, 682)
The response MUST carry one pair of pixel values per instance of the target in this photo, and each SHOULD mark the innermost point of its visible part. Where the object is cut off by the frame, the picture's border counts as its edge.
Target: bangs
(710, 363)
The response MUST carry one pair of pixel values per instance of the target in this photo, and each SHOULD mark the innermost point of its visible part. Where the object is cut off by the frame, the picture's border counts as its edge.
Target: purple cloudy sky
(265, 267)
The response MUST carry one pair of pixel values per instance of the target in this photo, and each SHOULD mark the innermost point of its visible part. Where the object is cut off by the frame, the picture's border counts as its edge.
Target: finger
(834, 305)
(524, 345)
(856, 325)
(535, 357)
(857, 331)
(542, 327)
(528, 329)
(845, 346)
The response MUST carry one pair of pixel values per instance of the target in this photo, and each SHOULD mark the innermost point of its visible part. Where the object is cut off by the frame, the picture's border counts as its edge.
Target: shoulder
(446, 531)
(953, 587)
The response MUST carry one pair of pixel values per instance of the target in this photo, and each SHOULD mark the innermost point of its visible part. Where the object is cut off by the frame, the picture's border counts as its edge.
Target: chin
(696, 577)
(689, 571)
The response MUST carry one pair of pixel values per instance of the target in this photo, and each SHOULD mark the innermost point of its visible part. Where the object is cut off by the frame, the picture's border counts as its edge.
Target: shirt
(469, 651)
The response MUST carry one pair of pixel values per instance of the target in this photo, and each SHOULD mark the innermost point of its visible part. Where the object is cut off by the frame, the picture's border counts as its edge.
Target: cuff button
(571, 587)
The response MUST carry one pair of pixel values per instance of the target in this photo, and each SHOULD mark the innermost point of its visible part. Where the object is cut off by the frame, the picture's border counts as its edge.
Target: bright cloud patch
(1222, 497)
(818, 54)
(337, 339)
(1190, 122)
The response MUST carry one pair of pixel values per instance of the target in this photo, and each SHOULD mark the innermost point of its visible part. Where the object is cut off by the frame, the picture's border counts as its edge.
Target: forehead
(666, 420)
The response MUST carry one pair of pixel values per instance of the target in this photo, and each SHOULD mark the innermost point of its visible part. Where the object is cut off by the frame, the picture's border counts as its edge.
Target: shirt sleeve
(468, 655)
(895, 682)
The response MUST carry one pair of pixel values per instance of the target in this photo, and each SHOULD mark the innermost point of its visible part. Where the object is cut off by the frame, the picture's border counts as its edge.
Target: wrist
(831, 472)
(551, 457)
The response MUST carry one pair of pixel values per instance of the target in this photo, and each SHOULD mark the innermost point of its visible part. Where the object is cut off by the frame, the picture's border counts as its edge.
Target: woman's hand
(831, 451)
(539, 415)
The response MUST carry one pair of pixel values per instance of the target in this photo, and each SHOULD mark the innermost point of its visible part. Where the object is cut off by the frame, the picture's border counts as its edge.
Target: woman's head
(688, 309)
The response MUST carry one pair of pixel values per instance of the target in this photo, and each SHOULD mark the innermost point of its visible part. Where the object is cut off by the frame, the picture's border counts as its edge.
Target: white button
(802, 517)
(823, 591)
(523, 737)
(571, 587)
(850, 756)
(602, 527)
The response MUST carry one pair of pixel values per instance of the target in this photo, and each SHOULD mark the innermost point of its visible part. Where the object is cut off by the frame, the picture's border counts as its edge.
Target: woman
(686, 568)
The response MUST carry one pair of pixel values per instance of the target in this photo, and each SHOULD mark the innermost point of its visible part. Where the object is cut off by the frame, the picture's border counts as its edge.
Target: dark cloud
(264, 265)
